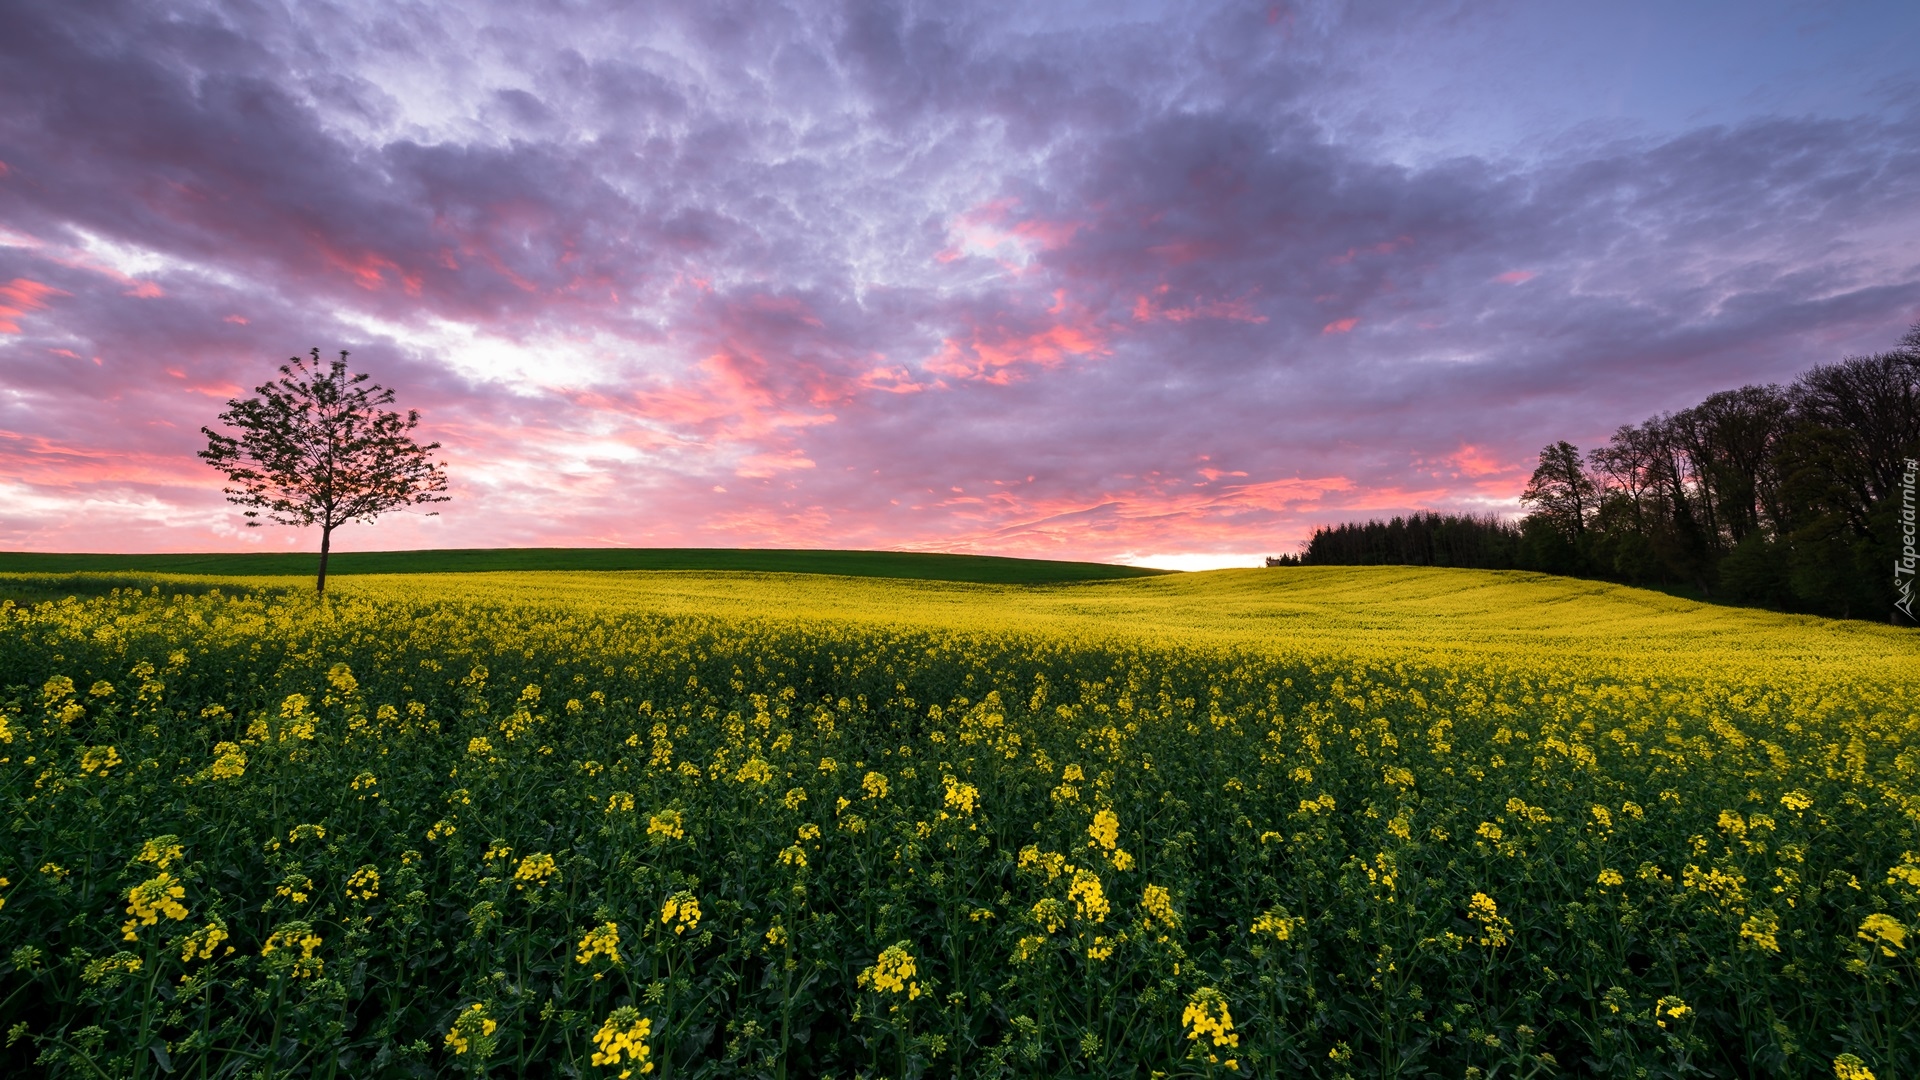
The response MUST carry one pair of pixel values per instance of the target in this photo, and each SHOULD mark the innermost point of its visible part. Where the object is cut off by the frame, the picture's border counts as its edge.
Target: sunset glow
(1151, 283)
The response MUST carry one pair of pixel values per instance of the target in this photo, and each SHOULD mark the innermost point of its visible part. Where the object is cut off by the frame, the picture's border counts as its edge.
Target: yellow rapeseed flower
(1761, 931)
(1158, 904)
(1050, 914)
(1670, 1008)
(1207, 1015)
(161, 851)
(602, 940)
(892, 973)
(1494, 929)
(1278, 923)
(537, 869)
(1088, 897)
(1850, 1067)
(667, 825)
(472, 1032)
(1105, 830)
(961, 798)
(200, 944)
(153, 898)
(229, 762)
(623, 1037)
(681, 911)
(1884, 931)
(99, 760)
(364, 883)
(290, 949)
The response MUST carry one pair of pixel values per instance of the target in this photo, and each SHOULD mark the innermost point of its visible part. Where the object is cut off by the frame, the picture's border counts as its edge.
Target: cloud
(981, 277)
(19, 296)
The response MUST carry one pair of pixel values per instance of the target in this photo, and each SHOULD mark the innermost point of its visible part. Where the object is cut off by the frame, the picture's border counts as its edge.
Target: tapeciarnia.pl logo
(1903, 567)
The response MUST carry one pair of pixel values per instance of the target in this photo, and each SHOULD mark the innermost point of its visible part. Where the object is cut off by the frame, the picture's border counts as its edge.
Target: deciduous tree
(318, 447)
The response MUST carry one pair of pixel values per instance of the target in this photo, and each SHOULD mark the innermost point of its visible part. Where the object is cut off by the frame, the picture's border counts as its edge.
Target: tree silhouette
(1562, 489)
(315, 447)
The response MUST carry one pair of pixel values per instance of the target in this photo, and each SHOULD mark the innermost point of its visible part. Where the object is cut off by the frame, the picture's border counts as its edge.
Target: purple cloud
(1125, 283)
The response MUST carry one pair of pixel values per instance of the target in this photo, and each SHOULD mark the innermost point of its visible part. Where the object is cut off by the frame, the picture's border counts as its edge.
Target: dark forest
(1789, 497)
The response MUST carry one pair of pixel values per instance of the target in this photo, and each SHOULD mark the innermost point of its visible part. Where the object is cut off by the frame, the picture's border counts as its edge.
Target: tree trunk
(326, 541)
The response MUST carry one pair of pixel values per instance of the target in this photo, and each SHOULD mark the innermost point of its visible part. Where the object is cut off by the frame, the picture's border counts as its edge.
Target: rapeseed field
(1341, 822)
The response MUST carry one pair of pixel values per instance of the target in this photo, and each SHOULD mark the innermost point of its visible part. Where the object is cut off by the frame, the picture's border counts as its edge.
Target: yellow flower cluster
(152, 899)
(681, 911)
(1494, 928)
(201, 944)
(602, 940)
(295, 887)
(290, 949)
(1158, 904)
(1850, 1067)
(472, 1032)
(623, 1038)
(364, 883)
(892, 973)
(667, 825)
(1089, 899)
(1277, 924)
(99, 760)
(961, 798)
(1105, 833)
(111, 969)
(1207, 1016)
(1885, 932)
(537, 869)
(229, 762)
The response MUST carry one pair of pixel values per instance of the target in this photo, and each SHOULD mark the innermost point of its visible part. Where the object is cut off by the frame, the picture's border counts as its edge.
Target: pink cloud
(1484, 469)
(739, 295)
(367, 269)
(21, 295)
(762, 466)
(1239, 309)
(994, 356)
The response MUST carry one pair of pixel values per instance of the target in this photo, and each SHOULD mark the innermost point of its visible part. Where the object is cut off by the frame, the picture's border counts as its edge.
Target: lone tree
(317, 448)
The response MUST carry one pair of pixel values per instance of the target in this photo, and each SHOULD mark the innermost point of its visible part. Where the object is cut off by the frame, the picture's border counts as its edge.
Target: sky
(1160, 283)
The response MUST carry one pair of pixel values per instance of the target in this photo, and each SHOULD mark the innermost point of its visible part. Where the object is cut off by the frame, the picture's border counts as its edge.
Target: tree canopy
(318, 446)
(1786, 496)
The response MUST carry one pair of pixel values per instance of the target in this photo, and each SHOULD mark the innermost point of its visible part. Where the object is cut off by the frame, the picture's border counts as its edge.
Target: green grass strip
(985, 569)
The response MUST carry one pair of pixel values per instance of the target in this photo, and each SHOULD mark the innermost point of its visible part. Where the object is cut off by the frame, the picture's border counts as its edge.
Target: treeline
(1796, 497)
(1477, 542)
